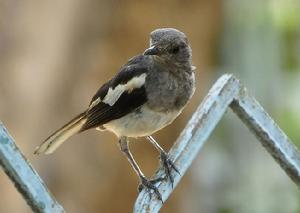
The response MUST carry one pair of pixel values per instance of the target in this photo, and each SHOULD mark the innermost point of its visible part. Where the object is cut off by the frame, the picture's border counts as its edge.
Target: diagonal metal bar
(226, 92)
(268, 133)
(192, 139)
(25, 178)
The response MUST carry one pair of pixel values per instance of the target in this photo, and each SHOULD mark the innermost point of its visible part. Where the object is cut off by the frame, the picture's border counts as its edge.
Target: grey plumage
(147, 94)
(169, 85)
(141, 110)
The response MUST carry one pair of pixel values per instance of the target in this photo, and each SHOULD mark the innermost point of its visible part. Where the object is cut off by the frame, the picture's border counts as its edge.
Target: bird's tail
(61, 135)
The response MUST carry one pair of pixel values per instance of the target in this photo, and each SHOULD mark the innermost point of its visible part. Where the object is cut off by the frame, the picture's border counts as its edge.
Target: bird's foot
(149, 186)
(168, 166)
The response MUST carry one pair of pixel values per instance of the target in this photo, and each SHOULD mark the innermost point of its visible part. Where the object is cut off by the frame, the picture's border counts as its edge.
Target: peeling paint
(226, 92)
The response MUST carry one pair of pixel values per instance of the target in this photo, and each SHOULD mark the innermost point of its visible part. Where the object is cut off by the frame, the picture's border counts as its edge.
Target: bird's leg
(144, 182)
(167, 164)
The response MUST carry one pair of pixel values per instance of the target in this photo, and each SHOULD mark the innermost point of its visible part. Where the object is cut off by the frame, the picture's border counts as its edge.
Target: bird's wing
(119, 96)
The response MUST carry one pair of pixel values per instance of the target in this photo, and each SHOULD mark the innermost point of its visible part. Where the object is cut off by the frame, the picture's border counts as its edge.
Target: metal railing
(226, 93)
(25, 178)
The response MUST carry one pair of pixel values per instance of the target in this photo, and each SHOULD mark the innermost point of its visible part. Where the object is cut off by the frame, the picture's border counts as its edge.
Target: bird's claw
(149, 185)
(168, 166)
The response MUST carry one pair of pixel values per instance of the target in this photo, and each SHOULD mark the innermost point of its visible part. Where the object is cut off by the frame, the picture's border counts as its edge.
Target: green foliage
(289, 121)
(286, 14)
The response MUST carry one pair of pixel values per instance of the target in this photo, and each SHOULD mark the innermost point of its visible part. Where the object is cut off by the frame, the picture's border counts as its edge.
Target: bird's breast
(167, 91)
(141, 122)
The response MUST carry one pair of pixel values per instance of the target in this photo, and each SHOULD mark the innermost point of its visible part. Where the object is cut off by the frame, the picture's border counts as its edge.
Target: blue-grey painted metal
(25, 178)
(192, 139)
(268, 133)
(227, 91)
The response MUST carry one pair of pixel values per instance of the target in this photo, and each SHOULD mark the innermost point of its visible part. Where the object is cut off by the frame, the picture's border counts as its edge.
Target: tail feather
(61, 135)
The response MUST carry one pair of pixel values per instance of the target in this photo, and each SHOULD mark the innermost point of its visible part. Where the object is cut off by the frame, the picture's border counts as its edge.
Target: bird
(144, 96)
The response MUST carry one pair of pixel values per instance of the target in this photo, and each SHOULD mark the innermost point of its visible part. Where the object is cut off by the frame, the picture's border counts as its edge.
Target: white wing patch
(113, 95)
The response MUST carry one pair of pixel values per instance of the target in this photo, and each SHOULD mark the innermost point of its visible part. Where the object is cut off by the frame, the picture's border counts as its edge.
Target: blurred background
(54, 54)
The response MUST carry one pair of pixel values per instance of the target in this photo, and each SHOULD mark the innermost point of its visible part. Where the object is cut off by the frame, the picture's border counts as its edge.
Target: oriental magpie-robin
(147, 94)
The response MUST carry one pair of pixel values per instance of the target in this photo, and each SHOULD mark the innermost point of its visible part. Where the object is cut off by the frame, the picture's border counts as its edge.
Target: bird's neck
(174, 65)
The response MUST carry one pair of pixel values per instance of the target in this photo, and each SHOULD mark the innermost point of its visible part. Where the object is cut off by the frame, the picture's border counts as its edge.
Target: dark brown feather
(102, 113)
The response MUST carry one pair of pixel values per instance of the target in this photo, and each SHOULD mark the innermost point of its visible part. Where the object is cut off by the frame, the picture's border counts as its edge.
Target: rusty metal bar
(25, 178)
(226, 92)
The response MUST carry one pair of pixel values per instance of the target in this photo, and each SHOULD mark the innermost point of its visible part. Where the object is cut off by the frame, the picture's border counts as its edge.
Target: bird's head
(171, 45)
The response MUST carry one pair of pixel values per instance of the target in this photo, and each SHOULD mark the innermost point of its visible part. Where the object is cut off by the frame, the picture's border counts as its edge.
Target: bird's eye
(174, 50)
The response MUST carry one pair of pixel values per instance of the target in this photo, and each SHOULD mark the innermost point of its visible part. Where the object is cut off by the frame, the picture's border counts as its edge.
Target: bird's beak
(151, 51)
